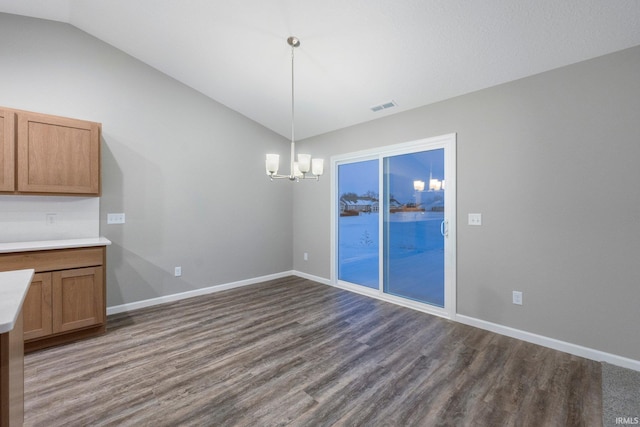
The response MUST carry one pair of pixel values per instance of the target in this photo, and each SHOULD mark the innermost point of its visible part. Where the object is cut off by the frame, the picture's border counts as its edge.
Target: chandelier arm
(277, 176)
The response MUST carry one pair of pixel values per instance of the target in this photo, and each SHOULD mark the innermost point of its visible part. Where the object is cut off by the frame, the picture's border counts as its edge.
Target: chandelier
(305, 167)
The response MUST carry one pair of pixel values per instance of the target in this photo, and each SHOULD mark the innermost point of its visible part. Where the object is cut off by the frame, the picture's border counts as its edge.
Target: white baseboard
(575, 349)
(194, 293)
(578, 350)
(311, 277)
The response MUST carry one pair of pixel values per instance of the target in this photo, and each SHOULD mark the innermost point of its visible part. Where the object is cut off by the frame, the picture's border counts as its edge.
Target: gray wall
(552, 163)
(173, 160)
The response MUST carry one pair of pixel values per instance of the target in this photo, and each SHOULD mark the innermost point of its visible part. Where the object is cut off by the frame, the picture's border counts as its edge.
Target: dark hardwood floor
(294, 352)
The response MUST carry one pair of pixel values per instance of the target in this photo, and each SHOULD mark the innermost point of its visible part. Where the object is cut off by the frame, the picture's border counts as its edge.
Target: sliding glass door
(414, 226)
(394, 224)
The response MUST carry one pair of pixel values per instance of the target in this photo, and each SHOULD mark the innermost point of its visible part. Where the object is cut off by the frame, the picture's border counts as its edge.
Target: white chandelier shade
(434, 185)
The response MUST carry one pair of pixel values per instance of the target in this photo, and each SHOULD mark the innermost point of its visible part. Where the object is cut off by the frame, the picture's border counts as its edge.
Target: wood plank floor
(294, 352)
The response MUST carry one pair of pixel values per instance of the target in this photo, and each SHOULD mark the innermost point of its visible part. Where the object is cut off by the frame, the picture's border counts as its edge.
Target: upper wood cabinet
(44, 154)
(7, 150)
(58, 155)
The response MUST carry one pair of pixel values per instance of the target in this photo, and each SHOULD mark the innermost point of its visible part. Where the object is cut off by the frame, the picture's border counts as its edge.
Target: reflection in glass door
(414, 226)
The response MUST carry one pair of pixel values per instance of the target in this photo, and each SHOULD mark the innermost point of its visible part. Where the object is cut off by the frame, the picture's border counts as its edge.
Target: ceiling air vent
(383, 106)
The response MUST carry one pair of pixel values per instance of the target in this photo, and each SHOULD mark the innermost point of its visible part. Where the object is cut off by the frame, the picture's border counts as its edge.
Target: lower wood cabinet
(38, 320)
(66, 299)
(78, 299)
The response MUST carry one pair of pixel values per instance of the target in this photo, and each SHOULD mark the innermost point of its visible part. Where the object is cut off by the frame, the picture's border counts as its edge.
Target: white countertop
(45, 245)
(13, 290)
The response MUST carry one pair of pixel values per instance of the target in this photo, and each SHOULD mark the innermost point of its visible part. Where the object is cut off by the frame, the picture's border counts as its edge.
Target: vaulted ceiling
(354, 54)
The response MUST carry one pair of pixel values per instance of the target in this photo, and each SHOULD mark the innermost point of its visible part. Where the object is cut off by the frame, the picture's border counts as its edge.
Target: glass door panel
(414, 243)
(358, 223)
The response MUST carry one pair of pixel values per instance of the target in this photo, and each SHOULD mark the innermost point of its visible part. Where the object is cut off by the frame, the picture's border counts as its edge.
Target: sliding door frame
(448, 142)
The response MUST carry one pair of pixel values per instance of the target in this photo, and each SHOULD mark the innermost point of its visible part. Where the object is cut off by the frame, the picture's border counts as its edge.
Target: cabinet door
(58, 155)
(7, 150)
(78, 298)
(37, 307)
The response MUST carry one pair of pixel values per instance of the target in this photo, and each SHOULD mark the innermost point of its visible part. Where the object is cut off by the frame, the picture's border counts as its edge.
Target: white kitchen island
(13, 290)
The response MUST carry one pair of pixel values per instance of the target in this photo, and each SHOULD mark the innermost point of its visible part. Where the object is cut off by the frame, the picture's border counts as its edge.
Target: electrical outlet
(475, 219)
(306, 256)
(115, 218)
(517, 297)
(51, 218)
(178, 271)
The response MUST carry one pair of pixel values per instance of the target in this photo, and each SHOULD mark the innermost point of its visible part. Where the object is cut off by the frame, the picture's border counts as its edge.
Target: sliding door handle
(444, 228)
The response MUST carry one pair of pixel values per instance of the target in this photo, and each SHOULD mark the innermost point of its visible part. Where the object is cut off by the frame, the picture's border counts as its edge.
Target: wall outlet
(306, 256)
(177, 271)
(475, 219)
(51, 218)
(517, 297)
(115, 218)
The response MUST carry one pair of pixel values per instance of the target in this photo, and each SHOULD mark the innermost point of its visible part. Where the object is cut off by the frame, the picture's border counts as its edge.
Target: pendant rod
(293, 141)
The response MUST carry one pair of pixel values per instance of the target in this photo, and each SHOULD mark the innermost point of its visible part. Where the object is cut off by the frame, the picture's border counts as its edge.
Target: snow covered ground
(415, 254)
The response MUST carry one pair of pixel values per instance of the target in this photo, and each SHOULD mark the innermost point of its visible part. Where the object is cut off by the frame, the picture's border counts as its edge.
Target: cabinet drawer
(53, 260)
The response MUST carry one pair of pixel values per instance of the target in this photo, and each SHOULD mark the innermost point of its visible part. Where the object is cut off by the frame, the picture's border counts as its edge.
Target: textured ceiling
(354, 54)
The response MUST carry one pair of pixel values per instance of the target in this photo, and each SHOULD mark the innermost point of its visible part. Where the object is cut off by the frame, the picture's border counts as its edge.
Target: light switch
(517, 297)
(115, 218)
(475, 219)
